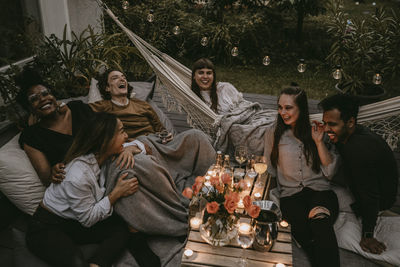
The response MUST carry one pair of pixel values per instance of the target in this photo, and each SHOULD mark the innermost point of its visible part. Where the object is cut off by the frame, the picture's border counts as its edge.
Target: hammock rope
(174, 81)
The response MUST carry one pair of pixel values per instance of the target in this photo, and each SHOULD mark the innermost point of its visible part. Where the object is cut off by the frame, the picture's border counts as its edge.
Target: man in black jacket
(369, 167)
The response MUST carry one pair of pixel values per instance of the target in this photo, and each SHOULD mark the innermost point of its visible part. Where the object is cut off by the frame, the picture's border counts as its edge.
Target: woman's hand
(169, 138)
(57, 173)
(125, 159)
(317, 132)
(124, 187)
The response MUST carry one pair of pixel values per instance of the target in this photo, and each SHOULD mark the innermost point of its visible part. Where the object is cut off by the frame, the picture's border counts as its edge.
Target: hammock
(174, 79)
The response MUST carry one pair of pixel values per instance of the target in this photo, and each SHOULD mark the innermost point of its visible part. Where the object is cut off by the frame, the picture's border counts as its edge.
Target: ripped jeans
(312, 215)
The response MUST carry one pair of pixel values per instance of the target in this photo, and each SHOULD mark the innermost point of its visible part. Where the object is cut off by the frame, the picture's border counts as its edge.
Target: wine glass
(163, 136)
(251, 173)
(241, 155)
(260, 164)
(245, 238)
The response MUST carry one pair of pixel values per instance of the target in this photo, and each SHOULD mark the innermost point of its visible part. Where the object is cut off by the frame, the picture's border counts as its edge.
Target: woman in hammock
(303, 163)
(77, 211)
(241, 121)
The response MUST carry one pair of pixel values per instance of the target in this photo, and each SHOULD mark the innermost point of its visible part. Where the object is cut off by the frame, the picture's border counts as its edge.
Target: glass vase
(217, 232)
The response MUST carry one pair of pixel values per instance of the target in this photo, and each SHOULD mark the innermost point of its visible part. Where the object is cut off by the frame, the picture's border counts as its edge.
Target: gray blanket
(245, 126)
(158, 207)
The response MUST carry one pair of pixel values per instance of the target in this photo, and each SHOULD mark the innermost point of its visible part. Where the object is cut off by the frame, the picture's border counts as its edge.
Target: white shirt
(228, 97)
(293, 173)
(80, 196)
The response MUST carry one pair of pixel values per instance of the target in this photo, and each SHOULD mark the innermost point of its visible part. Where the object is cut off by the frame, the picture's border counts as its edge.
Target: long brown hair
(94, 137)
(302, 129)
(205, 63)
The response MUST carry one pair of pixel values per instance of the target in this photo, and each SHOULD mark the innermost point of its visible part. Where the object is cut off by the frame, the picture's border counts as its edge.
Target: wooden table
(207, 255)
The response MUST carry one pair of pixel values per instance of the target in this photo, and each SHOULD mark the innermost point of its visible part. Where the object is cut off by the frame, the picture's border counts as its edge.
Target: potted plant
(366, 49)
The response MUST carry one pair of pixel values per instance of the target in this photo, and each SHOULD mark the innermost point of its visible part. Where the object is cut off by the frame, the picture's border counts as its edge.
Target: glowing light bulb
(125, 4)
(266, 60)
(337, 73)
(373, 3)
(377, 79)
(302, 66)
(235, 51)
(357, 3)
(150, 16)
(176, 30)
(204, 41)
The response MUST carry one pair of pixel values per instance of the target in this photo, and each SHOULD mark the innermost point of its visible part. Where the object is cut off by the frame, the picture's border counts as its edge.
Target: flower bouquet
(220, 213)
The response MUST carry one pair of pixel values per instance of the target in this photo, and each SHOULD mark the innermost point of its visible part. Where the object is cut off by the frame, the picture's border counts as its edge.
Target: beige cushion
(18, 179)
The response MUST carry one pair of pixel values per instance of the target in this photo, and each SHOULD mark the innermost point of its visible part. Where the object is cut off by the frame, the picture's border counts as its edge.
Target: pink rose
(214, 180)
(247, 202)
(187, 192)
(253, 211)
(200, 179)
(212, 207)
(226, 178)
(197, 187)
(231, 201)
(219, 187)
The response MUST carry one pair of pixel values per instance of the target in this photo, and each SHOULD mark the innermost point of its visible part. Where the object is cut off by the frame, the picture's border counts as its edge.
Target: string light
(204, 41)
(377, 79)
(176, 30)
(266, 60)
(235, 51)
(302, 66)
(373, 3)
(125, 4)
(150, 16)
(357, 3)
(337, 73)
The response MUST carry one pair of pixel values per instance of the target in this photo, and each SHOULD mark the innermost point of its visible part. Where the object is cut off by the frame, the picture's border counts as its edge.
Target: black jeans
(316, 236)
(55, 239)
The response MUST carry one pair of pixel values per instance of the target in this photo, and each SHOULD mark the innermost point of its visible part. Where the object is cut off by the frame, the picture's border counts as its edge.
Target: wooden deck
(266, 101)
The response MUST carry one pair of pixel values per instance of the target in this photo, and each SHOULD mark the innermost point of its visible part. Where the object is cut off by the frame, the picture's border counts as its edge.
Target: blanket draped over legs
(156, 208)
(187, 156)
(245, 126)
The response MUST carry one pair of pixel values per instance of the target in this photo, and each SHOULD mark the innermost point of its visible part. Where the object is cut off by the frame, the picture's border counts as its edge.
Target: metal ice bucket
(266, 225)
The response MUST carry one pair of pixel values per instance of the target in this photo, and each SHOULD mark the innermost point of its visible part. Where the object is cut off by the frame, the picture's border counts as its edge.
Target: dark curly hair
(103, 83)
(27, 79)
(301, 131)
(347, 105)
(205, 63)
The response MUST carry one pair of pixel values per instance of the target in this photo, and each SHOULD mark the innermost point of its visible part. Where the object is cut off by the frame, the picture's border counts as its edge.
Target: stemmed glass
(245, 238)
(241, 155)
(260, 164)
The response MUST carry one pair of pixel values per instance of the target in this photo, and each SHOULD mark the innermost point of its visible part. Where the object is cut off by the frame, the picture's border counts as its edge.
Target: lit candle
(195, 222)
(284, 224)
(244, 228)
(257, 196)
(248, 184)
(280, 265)
(188, 253)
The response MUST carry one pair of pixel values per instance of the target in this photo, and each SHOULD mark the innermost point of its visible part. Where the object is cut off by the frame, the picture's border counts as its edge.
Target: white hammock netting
(174, 80)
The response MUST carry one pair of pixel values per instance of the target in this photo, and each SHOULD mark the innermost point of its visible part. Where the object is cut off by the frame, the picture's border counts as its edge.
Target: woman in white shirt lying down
(76, 211)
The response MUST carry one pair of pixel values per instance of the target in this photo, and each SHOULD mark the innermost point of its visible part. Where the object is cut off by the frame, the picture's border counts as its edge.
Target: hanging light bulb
(377, 78)
(204, 41)
(374, 3)
(150, 16)
(302, 66)
(266, 60)
(337, 73)
(125, 4)
(357, 3)
(235, 51)
(176, 30)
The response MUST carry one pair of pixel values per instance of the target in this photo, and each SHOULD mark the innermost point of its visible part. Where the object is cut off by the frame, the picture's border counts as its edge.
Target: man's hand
(125, 159)
(372, 245)
(57, 173)
(317, 131)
